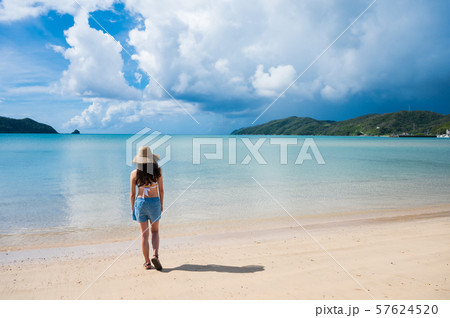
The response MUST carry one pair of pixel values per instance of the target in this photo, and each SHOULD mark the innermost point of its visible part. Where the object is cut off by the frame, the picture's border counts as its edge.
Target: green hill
(414, 123)
(24, 126)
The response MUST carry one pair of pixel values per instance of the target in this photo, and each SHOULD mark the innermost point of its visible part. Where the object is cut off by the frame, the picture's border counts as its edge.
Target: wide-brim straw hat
(145, 155)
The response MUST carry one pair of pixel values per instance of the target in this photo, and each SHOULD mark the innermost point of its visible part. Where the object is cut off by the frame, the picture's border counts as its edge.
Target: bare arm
(132, 189)
(161, 190)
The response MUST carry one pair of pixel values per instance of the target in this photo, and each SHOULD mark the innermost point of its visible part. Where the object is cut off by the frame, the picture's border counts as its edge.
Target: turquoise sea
(81, 182)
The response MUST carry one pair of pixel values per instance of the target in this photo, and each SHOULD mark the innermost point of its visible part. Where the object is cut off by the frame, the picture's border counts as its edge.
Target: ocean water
(81, 182)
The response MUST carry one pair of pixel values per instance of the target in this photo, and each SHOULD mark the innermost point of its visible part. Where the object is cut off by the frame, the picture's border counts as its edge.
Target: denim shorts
(147, 209)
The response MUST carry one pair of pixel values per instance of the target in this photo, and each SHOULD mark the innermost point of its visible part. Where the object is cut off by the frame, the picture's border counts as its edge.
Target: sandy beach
(392, 254)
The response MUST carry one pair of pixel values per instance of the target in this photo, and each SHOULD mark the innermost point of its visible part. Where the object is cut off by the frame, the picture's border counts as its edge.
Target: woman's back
(148, 190)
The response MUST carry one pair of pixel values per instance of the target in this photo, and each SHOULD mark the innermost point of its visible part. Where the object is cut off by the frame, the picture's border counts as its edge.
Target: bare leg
(155, 237)
(144, 240)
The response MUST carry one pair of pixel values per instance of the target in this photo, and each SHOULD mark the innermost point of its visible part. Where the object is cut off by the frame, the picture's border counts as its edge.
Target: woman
(148, 204)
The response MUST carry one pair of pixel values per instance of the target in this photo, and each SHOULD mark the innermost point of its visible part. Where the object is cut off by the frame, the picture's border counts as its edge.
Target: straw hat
(145, 155)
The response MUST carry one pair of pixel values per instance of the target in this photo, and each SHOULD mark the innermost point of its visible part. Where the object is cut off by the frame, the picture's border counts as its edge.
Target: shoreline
(394, 255)
(125, 233)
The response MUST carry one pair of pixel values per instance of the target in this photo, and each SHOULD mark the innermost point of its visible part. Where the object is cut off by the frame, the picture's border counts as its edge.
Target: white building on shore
(446, 135)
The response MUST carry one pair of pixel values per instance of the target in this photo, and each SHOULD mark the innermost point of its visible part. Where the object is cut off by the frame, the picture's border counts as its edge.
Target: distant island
(402, 123)
(75, 132)
(24, 126)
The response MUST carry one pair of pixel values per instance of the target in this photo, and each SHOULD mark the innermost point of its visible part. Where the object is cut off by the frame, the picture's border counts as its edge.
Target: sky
(210, 67)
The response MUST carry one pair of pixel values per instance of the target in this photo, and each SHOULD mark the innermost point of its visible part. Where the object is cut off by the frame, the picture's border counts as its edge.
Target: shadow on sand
(215, 268)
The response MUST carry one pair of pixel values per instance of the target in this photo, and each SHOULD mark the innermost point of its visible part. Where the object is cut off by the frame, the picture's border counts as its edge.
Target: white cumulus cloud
(111, 112)
(273, 82)
(96, 65)
(221, 66)
(88, 117)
